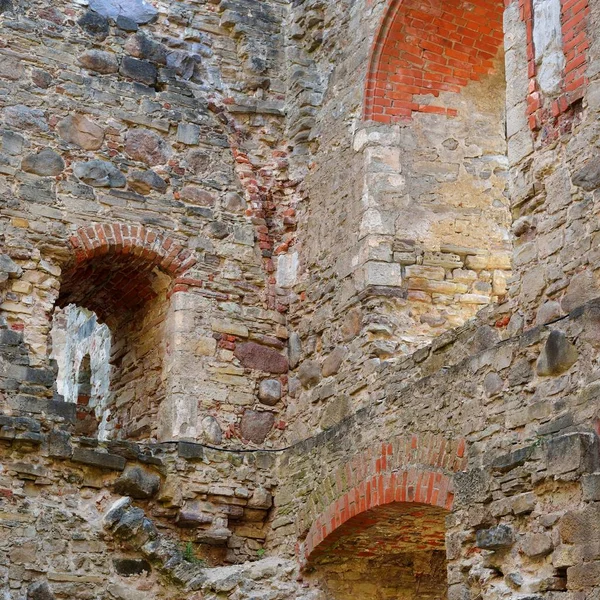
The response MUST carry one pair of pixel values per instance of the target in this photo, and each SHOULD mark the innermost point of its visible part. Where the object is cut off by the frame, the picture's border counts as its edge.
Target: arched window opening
(81, 347)
(392, 551)
(112, 305)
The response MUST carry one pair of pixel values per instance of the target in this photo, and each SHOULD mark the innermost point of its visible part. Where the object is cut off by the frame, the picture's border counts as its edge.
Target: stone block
(583, 576)
(382, 273)
(537, 545)
(558, 355)
(495, 538)
(572, 452)
(580, 526)
(229, 327)
(102, 460)
(261, 358)
(59, 444)
(137, 483)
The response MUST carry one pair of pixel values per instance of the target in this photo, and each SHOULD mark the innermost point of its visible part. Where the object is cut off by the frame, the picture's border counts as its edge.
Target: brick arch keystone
(414, 469)
(159, 250)
(425, 48)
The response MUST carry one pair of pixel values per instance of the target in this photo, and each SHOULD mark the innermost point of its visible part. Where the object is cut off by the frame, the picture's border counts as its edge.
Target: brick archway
(113, 263)
(425, 48)
(415, 470)
(120, 238)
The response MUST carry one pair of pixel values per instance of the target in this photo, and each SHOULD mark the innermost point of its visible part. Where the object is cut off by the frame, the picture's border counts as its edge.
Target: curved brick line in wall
(416, 469)
(136, 240)
(425, 50)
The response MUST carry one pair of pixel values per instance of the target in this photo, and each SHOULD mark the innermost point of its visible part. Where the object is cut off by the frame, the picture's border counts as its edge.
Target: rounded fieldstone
(45, 163)
(255, 426)
(558, 355)
(99, 61)
(99, 173)
(147, 147)
(41, 78)
(492, 384)
(143, 182)
(588, 178)
(332, 364)
(79, 130)
(137, 483)
(233, 202)
(309, 373)
(269, 392)
(218, 230)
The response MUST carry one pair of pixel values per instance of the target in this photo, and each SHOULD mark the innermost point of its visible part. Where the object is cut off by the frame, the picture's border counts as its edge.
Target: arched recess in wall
(427, 47)
(124, 274)
(379, 529)
(436, 162)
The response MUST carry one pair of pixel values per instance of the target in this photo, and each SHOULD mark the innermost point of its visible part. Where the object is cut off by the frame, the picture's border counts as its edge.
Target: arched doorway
(389, 552)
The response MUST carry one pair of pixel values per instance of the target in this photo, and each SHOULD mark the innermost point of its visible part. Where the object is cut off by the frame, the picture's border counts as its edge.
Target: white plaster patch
(287, 269)
(547, 40)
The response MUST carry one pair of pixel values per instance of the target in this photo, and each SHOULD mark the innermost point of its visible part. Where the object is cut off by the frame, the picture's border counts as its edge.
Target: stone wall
(301, 397)
(160, 130)
(404, 227)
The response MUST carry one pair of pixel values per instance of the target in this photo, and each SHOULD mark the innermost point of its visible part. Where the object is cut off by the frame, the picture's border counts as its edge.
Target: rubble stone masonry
(299, 299)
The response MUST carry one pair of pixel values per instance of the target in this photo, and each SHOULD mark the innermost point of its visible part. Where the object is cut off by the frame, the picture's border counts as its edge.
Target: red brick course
(425, 49)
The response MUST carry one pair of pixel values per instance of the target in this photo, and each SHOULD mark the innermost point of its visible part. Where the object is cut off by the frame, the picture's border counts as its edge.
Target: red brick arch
(425, 47)
(112, 270)
(415, 469)
(135, 240)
